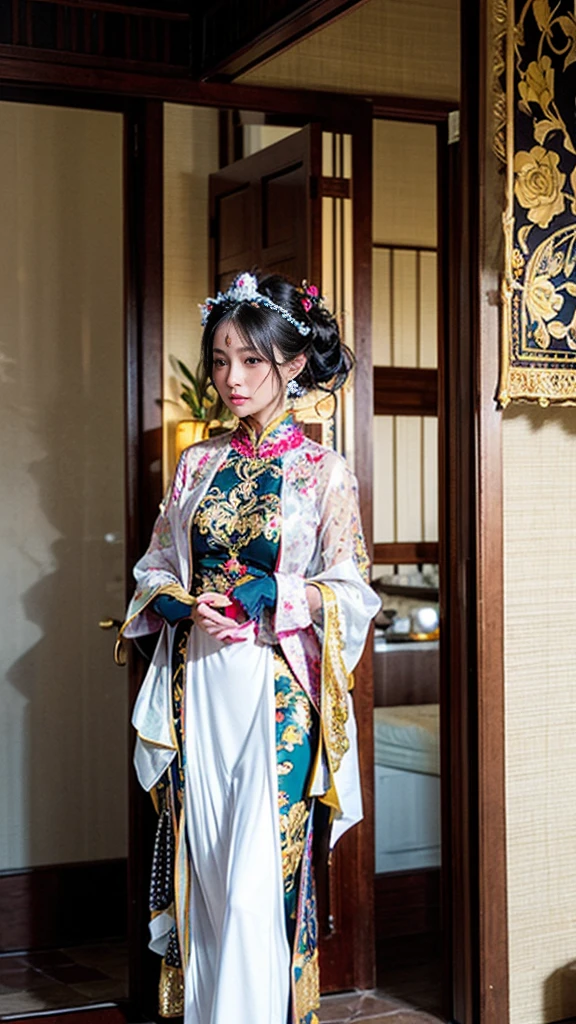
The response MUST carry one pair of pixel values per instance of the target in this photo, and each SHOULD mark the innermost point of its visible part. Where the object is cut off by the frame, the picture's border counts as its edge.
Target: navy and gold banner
(537, 139)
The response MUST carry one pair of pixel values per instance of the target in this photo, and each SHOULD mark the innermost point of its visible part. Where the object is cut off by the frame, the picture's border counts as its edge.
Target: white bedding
(408, 738)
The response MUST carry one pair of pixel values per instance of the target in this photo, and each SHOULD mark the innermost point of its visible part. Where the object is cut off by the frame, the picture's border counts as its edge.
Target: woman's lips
(238, 399)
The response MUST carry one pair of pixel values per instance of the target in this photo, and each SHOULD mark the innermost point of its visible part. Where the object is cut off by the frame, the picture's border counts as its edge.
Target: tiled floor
(62, 978)
(370, 1007)
(65, 978)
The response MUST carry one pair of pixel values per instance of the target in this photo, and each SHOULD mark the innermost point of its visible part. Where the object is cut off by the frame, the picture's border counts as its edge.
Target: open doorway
(407, 691)
(408, 943)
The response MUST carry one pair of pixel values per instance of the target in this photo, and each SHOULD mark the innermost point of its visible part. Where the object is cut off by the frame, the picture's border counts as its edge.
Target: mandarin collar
(281, 434)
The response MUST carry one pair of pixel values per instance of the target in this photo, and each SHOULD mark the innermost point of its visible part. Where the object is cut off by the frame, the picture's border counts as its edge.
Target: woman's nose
(234, 377)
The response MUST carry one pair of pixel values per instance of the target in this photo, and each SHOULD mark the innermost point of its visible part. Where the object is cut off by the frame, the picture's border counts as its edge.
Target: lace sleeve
(342, 537)
(157, 571)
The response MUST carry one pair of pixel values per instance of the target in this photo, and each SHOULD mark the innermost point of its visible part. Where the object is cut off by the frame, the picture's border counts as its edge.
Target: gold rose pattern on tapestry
(539, 149)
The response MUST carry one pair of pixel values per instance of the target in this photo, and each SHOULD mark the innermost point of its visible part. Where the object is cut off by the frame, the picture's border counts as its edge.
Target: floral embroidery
(305, 963)
(198, 472)
(162, 535)
(292, 837)
(300, 476)
(179, 480)
(281, 439)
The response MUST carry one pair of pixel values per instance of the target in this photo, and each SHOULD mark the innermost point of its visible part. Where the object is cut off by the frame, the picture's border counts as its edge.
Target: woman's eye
(253, 360)
(219, 362)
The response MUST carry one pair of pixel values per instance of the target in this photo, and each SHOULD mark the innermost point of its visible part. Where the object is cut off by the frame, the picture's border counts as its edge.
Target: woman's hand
(206, 616)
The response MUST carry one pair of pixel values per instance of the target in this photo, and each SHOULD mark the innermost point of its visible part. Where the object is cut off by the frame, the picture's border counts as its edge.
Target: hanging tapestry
(536, 138)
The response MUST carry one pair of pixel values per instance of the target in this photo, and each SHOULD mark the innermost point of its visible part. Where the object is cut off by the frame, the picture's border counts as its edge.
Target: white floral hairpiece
(244, 288)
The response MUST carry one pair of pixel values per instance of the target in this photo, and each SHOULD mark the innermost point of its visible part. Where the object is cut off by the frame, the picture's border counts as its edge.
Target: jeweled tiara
(244, 288)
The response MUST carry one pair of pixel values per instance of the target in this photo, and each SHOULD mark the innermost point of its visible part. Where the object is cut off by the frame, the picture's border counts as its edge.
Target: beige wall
(540, 671)
(405, 447)
(190, 155)
(63, 703)
(390, 47)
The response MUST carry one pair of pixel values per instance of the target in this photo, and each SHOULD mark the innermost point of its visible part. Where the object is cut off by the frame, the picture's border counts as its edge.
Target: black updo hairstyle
(328, 360)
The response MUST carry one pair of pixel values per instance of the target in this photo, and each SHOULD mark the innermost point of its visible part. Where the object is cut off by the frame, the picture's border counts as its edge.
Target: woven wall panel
(540, 672)
(385, 46)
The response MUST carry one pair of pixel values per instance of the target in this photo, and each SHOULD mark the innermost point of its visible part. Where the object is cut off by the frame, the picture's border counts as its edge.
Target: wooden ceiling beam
(235, 38)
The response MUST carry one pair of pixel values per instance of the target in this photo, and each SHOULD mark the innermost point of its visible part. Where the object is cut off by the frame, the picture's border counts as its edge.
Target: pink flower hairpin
(310, 295)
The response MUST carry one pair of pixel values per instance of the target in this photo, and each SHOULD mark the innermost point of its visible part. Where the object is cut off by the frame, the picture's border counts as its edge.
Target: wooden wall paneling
(363, 938)
(471, 545)
(450, 624)
(405, 391)
(411, 108)
(62, 904)
(471, 560)
(100, 32)
(144, 312)
(407, 903)
(485, 194)
(406, 553)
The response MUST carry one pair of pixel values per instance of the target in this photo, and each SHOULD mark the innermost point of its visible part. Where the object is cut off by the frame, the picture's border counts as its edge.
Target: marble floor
(372, 1007)
(72, 977)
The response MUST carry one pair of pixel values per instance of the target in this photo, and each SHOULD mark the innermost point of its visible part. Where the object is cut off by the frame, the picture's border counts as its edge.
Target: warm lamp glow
(190, 432)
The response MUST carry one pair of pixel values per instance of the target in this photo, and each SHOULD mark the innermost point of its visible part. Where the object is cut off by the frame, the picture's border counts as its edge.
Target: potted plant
(207, 412)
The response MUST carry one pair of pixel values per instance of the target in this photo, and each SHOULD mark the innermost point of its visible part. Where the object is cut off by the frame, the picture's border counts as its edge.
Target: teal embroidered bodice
(238, 523)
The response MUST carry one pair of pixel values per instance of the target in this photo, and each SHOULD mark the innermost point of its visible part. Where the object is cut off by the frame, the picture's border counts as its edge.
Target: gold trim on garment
(172, 590)
(307, 987)
(171, 991)
(335, 684)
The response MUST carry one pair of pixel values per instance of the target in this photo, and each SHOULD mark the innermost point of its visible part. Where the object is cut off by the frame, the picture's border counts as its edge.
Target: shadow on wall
(559, 995)
(537, 417)
(64, 727)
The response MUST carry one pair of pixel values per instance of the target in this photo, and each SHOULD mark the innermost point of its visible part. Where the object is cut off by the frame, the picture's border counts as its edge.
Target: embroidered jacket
(321, 543)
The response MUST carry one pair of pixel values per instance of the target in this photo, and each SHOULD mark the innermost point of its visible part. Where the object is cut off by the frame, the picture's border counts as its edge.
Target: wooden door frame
(473, 548)
(143, 356)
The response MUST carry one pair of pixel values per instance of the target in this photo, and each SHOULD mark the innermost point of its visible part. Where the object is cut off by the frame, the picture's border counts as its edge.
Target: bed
(407, 787)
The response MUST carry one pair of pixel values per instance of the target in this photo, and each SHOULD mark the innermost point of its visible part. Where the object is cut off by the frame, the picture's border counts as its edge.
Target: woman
(256, 577)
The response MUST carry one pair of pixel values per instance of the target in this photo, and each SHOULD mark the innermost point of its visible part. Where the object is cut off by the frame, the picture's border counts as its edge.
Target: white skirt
(238, 965)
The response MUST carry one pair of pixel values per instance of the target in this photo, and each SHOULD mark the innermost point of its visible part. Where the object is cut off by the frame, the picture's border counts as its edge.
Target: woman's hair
(328, 360)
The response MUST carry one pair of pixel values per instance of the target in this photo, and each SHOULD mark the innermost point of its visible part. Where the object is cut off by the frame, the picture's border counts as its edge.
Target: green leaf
(185, 371)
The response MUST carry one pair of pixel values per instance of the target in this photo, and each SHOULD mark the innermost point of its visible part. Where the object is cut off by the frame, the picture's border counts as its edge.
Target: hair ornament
(309, 296)
(244, 288)
(294, 389)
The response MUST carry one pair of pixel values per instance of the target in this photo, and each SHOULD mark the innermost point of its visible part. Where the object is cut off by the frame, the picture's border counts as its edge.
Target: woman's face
(247, 382)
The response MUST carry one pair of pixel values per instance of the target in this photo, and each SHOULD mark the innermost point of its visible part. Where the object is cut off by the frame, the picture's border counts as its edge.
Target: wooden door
(266, 214)
(265, 211)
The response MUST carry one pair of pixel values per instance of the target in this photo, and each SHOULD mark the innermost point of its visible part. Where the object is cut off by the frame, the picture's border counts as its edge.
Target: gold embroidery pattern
(292, 838)
(307, 986)
(242, 514)
(171, 991)
(533, 92)
(336, 682)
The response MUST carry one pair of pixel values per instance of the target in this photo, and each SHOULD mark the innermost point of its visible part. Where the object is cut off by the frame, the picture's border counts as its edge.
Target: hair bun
(329, 361)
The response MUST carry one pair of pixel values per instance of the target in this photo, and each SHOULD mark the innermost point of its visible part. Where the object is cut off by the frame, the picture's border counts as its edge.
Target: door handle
(119, 650)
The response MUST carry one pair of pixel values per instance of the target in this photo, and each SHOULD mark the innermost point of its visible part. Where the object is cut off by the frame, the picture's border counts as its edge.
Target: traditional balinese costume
(239, 742)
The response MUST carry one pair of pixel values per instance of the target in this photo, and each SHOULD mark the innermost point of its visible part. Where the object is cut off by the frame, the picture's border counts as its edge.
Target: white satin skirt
(238, 961)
